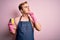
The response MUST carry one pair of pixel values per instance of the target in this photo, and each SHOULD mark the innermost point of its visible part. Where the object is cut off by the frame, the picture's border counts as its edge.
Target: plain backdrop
(46, 11)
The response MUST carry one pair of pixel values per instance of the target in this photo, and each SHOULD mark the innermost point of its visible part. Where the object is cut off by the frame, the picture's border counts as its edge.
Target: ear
(21, 11)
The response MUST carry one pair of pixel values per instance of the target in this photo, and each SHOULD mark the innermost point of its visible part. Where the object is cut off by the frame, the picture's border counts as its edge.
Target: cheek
(26, 10)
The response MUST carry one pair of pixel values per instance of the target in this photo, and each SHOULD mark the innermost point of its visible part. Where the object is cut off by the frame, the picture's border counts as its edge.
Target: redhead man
(24, 25)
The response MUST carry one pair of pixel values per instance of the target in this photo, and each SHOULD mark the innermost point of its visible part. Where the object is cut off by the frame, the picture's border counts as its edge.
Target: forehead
(25, 5)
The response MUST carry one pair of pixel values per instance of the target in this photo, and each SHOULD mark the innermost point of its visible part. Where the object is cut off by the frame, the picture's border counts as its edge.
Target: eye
(26, 6)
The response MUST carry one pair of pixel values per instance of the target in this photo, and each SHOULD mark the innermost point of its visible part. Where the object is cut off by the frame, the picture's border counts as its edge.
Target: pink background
(46, 11)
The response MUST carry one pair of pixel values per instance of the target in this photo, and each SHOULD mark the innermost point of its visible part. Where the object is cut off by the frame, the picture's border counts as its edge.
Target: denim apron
(25, 30)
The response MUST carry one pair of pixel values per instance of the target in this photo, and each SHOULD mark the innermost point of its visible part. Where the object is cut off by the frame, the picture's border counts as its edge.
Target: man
(24, 25)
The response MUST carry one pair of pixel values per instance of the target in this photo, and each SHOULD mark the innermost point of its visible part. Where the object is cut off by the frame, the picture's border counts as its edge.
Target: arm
(35, 22)
(12, 28)
(37, 26)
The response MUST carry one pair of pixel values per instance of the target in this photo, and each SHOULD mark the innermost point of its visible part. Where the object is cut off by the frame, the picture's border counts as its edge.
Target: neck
(24, 15)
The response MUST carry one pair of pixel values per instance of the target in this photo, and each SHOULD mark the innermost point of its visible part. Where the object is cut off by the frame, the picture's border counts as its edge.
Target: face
(25, 8)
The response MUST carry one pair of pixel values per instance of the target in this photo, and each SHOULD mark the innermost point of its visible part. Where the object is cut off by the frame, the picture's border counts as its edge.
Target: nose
(28, 9)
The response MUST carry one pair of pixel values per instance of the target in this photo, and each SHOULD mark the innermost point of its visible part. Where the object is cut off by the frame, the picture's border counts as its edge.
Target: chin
(27, 12)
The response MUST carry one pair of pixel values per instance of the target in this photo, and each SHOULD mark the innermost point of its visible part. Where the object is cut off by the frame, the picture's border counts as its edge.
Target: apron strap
(20, 18)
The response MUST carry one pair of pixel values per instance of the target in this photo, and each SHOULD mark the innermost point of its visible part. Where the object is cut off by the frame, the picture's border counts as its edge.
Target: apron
(25, 30)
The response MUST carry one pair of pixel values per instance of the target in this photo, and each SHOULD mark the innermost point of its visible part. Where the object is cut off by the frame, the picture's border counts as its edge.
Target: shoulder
(17, 20)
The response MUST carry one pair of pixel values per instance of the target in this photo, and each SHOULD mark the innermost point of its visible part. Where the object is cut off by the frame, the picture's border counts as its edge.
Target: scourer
(12, 20)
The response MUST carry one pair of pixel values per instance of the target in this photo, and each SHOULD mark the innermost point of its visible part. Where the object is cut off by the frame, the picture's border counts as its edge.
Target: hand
(33, 16)
(12, 27)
